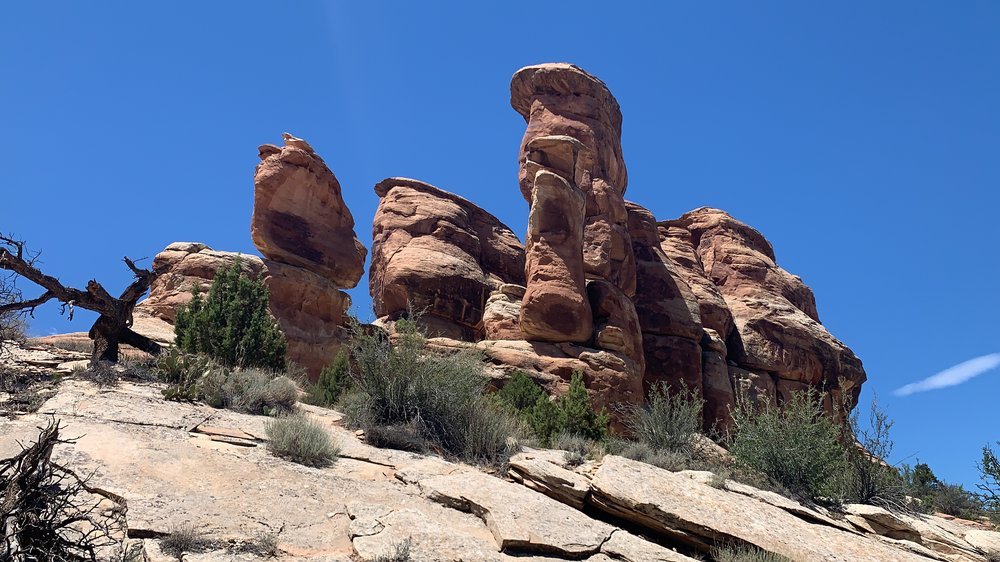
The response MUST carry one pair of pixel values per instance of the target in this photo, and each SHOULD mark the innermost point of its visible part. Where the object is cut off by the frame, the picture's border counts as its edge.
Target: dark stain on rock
(291, 233)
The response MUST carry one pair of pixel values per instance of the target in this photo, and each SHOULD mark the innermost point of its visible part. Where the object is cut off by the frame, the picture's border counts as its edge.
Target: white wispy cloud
(953, 375)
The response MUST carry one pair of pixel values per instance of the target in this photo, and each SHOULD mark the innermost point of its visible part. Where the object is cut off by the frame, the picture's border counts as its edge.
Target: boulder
(437, 252)
(880, 521)
(777, 326)
(183, 266)
(299, 214)
(680, 509)
(558, 483)
(311, 311)
(521, 520)
(502, 315)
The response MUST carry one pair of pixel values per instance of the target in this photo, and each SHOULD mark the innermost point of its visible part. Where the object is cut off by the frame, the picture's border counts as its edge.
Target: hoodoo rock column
(555, 306)
(306, 233)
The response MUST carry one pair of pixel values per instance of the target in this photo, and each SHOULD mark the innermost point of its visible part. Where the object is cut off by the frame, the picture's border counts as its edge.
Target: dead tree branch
(112, 328)
(49, 512)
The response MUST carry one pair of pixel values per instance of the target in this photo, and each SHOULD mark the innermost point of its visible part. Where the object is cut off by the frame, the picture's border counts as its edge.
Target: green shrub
(639, 451)
(301, 439)
(174, 366)
(232, 324)
(571, 413)
(251, 391)
(440, 396)
(334, 380)
(868, 479)
(955, 500)
(520, 392)
(920, 483)
(577, 416)
(571, 443)
(989, 473)
(796, 445)
(248, 390)
(543, 418)
(669, 421)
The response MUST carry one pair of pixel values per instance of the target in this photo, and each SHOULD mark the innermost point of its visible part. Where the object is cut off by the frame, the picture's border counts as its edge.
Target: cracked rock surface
(181, 464)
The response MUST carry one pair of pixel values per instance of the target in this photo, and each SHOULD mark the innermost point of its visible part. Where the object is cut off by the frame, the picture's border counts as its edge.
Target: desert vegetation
(301, 439)
(564, 418)
(232, 324)
(989, 469)
(230, 353)
(404, 396)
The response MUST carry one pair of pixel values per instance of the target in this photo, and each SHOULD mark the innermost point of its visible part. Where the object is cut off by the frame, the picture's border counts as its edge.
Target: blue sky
(863, 139)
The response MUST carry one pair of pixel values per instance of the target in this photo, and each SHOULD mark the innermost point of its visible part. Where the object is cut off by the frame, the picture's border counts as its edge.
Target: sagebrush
(438, 397)
(250, 390)
(670, 420)
(301, 439)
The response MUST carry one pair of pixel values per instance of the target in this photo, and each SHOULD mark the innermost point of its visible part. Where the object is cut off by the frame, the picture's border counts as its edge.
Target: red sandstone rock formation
(602, 288)
(777, 331)
(181, 267)
(435, 252)
(563, 100)
(299, 215)
(306, 233)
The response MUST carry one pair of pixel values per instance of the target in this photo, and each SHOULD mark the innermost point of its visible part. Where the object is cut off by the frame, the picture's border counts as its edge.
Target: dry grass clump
(745, 553)
(404, 394)
(301, 439)
(184, 539)
(400, 553)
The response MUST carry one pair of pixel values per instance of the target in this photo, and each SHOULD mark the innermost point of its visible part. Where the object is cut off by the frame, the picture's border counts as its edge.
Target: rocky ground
(182, 465)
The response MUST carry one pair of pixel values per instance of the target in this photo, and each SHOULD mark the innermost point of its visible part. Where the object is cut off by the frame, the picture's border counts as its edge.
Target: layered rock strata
(607, 290)
(437, 253)
(309, 308)
(306, 233)
(777, 342)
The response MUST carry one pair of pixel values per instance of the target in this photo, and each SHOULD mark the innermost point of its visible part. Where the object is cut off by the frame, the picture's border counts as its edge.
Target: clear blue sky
(863, 139)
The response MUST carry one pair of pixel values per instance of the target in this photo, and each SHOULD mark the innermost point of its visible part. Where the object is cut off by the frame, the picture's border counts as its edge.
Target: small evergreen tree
(577, 416)
(232, 324)
(570, 414)
(520, 392)
(333, 381)
(543, 418)
(989, 469)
